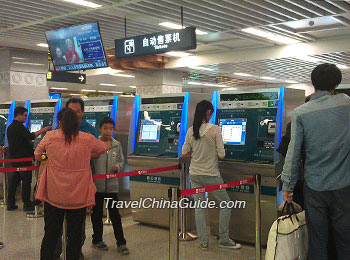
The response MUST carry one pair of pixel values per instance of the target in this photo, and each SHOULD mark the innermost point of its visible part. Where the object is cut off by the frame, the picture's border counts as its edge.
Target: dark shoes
(28, 207)
(123, 250)
(11, 207)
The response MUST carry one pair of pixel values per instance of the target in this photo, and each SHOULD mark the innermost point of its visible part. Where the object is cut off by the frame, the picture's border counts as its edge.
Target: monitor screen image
(233, 131)
(150, 130)
(77, 48)
(91, 122)
(36, 125)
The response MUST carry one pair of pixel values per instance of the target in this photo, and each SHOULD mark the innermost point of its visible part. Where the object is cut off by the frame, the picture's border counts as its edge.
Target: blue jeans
(225, 213)
(322, 208)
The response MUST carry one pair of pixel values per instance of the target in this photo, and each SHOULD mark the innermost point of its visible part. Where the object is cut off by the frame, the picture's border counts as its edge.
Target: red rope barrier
(17, 160)
(134, 173)
(216, 187)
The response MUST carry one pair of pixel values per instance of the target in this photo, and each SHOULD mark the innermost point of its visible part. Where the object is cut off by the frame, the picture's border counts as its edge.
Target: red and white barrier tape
(216, 187)
(17, 160)
(20, 169)
(134, 173)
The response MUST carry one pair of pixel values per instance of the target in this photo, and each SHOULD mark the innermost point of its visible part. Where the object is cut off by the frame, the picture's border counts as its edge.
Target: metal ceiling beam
(293, 31)
(326, 6)
(68, 14)
(340, 4)
(303, 9)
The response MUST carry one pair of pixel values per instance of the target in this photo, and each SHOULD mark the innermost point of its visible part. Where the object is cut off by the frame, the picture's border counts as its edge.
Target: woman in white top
(204, 145)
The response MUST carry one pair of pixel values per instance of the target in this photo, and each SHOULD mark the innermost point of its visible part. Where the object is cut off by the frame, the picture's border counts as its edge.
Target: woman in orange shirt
(66, 185)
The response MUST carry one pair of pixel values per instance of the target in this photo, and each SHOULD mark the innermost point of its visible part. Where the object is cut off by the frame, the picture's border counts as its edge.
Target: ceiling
(23, 23)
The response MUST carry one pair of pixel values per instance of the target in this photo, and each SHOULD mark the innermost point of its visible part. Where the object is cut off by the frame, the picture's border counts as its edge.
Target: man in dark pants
(322, 125)
(21, 146)
(78, 106)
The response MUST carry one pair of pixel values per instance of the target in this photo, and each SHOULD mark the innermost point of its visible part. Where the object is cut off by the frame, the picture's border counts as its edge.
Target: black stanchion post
(37, 213)
(4, 184)
(257, 193)
(184, 234)
(174, 225)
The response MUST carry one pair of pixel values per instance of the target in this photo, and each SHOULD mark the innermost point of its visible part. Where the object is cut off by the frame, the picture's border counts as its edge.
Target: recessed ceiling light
(123, 75)
(199, 32)
(342, 67)
(60, 88)
(291, 81)
(215, 85)
(194, 83)
(73, 94)
(271, 36)
(29, 63)
(243, 74)
(178, 53)
(83, 3)
(267, 78)
(178, 27)
(44, 45)
(18, 58)
(230, 89)
(132, 86)
(107, 84)
(200, 68)
(110, 55)
(89, 90)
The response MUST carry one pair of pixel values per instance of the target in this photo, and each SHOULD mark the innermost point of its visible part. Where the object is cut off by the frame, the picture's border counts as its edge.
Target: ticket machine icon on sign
(129, 46)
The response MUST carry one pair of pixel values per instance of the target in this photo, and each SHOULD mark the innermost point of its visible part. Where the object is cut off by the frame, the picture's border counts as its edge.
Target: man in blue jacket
(322, 125)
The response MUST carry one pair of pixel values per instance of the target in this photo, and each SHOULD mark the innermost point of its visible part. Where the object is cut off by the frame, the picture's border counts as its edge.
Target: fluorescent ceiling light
(29, 63)
(107, 84)
(291, 81)
(60, 88)
(194, 83)
(18, 58)
(200, 68)
(230, 89)
(215, 85)
(132, 86)
(178, 53)
(342, 67)
(75, 94)
(171, 25)
(199, 32)
(89, 90)
(110, 55)
(267, 78)
(44, 45)
(309, 59)
(123, 75)
(271, 36)
(243, 74)
(106, 91)
(83, 3)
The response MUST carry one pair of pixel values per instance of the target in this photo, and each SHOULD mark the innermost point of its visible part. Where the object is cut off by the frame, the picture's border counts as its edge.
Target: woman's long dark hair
(200, 115)
(69, 124)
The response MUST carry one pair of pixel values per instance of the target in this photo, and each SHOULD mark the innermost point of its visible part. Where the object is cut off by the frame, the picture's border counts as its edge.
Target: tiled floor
(22, 238)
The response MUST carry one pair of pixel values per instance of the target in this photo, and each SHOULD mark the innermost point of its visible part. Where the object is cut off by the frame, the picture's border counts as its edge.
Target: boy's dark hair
(326, 77)
(106, 120)
(75, 101)
(20, 111)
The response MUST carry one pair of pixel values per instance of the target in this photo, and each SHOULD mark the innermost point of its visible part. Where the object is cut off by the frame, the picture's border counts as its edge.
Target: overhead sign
(156, 43)
(61, 76)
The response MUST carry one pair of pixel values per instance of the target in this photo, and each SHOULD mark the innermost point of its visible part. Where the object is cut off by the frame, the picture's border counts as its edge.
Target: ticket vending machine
(252, 123)
(157, 133)
(43, 113)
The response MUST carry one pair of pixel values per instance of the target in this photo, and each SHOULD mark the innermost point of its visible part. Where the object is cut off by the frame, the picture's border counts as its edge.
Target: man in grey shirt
(322, 125)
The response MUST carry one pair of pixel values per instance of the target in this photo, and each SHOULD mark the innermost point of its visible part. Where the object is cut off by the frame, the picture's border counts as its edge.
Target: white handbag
(288, 237)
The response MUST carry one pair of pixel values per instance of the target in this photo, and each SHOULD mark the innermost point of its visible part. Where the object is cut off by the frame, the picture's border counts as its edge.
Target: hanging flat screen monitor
(233, 131)
(150, 130)
(77, 48)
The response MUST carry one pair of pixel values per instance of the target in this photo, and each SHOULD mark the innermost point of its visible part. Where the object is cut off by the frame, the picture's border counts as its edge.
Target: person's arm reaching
(186, 148)
(290, 171)
(42, 130)
(219, 143)
(97, 146)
